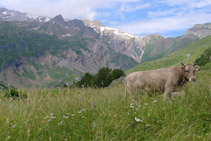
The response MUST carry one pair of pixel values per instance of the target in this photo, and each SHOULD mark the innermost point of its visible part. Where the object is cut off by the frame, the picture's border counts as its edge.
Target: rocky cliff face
(199, 30)
(122, 42)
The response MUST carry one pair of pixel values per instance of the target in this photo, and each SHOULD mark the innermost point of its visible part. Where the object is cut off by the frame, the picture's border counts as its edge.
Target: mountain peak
(199, 30)
(58, 18)
(3, 9)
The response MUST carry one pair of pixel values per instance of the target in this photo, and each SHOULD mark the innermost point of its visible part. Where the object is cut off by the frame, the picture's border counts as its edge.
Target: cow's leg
(175, 95)
(167, 93)
(136, 96)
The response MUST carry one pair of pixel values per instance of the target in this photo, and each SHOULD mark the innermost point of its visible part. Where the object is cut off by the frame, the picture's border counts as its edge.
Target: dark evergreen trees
(102, 79)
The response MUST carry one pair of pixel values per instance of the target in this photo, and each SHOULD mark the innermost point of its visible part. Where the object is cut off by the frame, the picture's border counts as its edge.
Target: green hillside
(159, 47)
(19, 42)
(175, 59)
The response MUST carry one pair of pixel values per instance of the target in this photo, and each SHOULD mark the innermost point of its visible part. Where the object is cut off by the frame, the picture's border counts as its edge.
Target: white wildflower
(53, 117)
(154, 101)
(60, 123)
(13, 126)
(65, 117)
(145, 104)
(138, 120)
(83, 110)
(147, 125)
(131, 105)
(73, 115)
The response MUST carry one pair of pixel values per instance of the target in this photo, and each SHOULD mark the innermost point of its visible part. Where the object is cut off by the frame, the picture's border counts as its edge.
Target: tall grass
(108, 114)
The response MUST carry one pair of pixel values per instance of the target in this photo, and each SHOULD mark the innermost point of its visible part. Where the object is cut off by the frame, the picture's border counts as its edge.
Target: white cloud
(68, 8)
(188, 3)
(131, 8)
(181, 15)
(160, 13)
(166, 24)
(145, 17)
(128, 8)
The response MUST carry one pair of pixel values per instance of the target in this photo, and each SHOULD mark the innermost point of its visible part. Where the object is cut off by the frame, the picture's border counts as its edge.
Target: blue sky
(141, 17)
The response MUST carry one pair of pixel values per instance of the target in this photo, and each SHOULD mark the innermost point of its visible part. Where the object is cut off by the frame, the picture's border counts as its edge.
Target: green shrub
(204, 58)
(103, 78)
(86, 81)
(116, 73)
(14, 93)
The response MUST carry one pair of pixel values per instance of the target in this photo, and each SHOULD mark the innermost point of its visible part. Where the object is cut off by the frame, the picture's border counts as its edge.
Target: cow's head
(189, 70)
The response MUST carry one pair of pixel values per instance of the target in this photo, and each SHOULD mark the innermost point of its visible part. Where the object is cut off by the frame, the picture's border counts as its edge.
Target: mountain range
(39, 51)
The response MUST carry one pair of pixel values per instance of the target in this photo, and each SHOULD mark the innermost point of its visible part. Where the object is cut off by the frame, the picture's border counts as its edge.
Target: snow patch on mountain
(66, 35)
(5, 12)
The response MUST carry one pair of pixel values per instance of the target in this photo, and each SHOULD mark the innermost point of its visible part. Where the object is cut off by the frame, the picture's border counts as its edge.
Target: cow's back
(153, 79)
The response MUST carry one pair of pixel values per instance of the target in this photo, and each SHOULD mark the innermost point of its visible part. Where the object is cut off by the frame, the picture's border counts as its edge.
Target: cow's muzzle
(192, 79)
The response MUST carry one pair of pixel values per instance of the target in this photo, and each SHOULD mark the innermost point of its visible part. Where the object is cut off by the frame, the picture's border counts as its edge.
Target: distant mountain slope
(40, 51)
(3, 86)
(187, 55)
(158, 46)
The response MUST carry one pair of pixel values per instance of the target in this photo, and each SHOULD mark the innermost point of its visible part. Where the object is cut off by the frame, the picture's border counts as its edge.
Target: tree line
(102, 79)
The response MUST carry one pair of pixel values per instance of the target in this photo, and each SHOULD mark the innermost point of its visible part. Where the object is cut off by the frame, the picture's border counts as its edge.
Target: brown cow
(164, 79)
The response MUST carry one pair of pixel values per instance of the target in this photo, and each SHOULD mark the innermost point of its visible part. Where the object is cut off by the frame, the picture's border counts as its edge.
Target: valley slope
(186, 55)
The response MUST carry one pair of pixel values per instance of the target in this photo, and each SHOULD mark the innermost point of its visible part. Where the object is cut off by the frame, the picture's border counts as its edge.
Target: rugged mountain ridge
(39, 53)
(199, 30)
(36, 52)
(13, 15)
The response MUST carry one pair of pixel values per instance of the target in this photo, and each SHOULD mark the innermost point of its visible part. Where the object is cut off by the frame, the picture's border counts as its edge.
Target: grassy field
(69, 114)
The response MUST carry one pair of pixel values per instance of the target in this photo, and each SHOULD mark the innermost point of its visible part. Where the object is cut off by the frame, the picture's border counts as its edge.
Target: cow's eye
(187, 71)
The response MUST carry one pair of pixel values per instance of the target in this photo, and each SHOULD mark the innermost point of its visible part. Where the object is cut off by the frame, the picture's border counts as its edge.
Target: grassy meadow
(108, 114)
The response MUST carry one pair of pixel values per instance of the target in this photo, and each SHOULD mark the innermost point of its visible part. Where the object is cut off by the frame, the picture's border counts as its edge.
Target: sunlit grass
(108, 114)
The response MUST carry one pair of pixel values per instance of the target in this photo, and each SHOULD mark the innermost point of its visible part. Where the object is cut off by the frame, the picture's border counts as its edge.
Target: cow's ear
(183, 64)
(197, 68)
